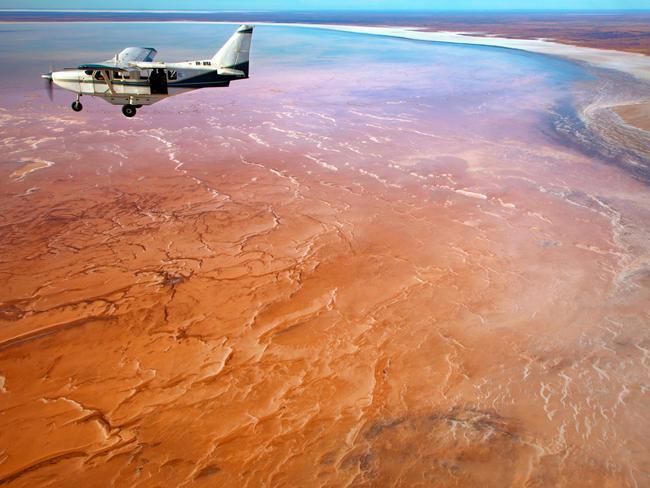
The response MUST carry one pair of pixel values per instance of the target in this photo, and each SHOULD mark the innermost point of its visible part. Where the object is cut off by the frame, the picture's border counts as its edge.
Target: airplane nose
(66, 79)
(49, 88)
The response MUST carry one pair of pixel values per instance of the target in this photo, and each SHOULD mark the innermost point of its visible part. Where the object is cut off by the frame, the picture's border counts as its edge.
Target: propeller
(49, 84)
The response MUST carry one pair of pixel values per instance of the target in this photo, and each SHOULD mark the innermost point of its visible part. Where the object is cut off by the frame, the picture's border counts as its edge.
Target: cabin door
(99, 84)
(158, 82)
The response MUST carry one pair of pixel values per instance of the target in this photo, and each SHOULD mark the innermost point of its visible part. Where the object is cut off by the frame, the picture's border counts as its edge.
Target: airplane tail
(235, 52)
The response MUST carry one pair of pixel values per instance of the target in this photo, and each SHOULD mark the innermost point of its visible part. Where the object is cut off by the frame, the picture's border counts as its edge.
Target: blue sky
(331, 4)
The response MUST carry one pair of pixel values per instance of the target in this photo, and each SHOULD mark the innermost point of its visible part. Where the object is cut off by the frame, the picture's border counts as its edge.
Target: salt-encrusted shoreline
(635, 64)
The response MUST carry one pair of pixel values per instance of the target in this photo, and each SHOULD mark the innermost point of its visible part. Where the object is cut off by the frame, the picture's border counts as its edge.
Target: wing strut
(108, 81)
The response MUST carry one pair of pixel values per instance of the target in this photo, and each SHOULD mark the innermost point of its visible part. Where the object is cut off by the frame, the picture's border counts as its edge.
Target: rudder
(235, 53)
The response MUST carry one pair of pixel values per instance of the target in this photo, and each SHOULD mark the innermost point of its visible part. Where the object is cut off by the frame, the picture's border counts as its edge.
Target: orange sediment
(216, 309)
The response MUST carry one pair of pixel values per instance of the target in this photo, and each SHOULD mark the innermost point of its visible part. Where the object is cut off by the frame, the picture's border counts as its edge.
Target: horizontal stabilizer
(230, 72)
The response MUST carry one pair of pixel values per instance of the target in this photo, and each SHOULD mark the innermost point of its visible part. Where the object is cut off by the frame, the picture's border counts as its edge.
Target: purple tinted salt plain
(375, 263)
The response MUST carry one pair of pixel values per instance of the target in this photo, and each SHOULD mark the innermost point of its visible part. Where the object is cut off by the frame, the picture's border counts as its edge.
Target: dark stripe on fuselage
(202, 84)
(210, 79)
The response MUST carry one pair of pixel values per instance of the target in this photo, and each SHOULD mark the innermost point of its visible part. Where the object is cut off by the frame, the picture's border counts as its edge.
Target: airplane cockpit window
(89, 72)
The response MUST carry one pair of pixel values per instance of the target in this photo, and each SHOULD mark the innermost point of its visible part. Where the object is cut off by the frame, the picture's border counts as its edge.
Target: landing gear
(76, 105)
(129, 110)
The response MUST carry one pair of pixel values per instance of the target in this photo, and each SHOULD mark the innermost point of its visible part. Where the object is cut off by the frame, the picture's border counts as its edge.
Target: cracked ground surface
(317, 286)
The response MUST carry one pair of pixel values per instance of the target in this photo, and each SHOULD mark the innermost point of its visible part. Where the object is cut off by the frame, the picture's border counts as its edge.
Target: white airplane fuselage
(133, 79)
(134, 87)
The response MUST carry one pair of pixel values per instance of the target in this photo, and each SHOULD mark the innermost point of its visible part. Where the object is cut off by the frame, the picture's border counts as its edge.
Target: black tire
(76, 106)
(138, 106)
(129, 110)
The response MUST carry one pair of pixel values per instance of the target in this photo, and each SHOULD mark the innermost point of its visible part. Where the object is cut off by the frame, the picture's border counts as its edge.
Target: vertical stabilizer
(235, 52)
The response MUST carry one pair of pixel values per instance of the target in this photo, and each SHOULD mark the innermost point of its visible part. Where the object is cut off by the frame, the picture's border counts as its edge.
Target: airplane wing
(147, 65)
(134, 54)
(105, 66)
(124, 59)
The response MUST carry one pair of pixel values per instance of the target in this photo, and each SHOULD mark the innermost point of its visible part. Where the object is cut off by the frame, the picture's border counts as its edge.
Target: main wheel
(128, 110)
(76, 106)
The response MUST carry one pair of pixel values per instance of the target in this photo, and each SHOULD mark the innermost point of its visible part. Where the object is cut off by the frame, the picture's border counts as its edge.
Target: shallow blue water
(451, 88)
(27, 50)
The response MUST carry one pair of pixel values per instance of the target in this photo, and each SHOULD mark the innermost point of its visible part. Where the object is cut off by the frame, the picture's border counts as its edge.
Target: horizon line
(225, 11)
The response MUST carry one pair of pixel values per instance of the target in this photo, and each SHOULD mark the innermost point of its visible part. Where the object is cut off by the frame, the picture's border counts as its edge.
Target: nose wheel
(76, 105)
(129, 110)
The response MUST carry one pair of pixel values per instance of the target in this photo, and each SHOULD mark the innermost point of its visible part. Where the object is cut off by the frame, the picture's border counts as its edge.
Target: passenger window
(206, 63)
(172, 75)
(99, 75)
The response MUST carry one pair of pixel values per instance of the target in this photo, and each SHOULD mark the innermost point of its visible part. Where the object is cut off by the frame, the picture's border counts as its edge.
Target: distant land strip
(618, 30)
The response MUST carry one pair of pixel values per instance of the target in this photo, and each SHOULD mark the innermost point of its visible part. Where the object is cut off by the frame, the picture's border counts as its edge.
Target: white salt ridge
(322, 163)
(472, 194)
(257, 139)
(379, 117)
(171, 154)
(19, 175)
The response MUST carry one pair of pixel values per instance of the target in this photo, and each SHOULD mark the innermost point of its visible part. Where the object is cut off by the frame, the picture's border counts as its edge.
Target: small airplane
(132, 78)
